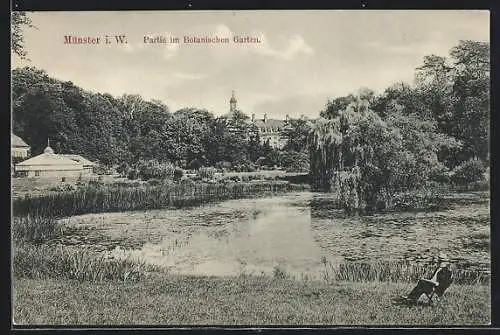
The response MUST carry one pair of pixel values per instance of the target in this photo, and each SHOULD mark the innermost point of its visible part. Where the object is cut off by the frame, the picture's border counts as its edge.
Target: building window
(37, 173)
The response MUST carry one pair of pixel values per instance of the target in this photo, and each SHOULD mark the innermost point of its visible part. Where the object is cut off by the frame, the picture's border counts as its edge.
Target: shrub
(149, 169)
(441, 175)
(186, 181)
(123, 168)
(223, 165)
(154, 182)
(195, 164)
(468, 172)
(207, 173)
(63, 188)
(95, 183)
(424, 199)
(279, 273)
(178, 174)
(132, 174)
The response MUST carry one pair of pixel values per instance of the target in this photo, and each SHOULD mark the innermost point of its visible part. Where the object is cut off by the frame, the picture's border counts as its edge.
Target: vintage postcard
(293, 168)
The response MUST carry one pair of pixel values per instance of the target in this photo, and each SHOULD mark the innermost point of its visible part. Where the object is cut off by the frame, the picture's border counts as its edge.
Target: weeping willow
(348, 155)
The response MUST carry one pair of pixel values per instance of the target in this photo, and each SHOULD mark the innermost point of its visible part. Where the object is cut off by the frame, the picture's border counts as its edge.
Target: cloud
(170, 50)
(296, 45)
(188, 76)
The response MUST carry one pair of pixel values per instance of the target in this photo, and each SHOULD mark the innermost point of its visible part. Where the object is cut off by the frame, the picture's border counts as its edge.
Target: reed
(35, 229)
(44, 262)
(395, 271)
(109, 198)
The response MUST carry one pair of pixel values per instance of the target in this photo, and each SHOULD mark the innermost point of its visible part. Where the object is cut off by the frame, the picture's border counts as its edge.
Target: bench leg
(429, 297)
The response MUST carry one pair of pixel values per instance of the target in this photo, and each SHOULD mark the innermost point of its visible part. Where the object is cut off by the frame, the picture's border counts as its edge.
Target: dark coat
(444, 278)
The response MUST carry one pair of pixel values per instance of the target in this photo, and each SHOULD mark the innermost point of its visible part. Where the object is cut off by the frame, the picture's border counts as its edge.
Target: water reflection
(296, 233)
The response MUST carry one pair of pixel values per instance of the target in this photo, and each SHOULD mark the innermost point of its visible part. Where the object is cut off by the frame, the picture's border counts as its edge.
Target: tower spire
(232, 102)
(48, 149)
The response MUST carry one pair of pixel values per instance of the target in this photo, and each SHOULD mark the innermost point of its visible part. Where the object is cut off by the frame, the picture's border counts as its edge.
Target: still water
(298, 233)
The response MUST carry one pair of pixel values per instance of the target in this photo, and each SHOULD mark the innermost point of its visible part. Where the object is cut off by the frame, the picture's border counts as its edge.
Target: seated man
(439, 282)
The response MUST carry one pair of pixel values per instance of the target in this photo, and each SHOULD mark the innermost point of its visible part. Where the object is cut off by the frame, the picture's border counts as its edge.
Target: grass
(35, 229)
(244, 300)
(396, 271)
(106, 198)
(43, 262)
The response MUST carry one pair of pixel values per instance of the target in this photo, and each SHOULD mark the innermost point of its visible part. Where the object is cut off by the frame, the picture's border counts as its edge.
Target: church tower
(232, 103)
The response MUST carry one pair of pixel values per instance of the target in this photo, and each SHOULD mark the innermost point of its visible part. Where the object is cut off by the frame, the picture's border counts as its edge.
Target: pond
(296, 232)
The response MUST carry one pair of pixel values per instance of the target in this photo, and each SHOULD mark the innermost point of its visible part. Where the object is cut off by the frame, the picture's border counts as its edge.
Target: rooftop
(16, 141)
(49, 158)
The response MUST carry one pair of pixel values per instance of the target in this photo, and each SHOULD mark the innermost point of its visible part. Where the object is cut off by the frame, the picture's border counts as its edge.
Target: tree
(365, 158)
(18, 21)
(471, 90)
(296, 135)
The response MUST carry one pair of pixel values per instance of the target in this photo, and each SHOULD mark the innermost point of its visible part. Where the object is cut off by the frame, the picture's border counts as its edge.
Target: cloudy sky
(305, 57)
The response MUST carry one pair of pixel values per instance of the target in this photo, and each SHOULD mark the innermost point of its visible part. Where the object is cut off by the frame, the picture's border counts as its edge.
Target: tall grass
(394, 271)
(35, 229)
(108, 198)
(43, 262)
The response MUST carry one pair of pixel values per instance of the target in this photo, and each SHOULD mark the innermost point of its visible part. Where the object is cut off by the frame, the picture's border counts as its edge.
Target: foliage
(195, 164)
(224, 165)
(296, 135)
(35, 228)
(44, 262)
(395, 271)
(468, 172)
(63, 188)
(109, 198)
(18, 20)
(148, 169)
(295, 161)
(178, 174)
(207, 172)
(366, 159)
(422, 199)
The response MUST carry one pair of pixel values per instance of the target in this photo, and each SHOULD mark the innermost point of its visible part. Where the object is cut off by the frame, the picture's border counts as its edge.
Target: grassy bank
(244, 300)
(109, 198)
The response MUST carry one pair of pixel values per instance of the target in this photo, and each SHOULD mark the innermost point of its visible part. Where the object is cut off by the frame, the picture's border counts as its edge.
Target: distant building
(49, 165)
(19, 148)
(269, 129)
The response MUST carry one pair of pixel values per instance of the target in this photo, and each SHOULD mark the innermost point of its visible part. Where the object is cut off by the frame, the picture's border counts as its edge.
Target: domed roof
(48, 150)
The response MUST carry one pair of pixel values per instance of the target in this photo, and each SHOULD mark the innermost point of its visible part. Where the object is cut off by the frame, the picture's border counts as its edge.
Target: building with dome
(50, 165)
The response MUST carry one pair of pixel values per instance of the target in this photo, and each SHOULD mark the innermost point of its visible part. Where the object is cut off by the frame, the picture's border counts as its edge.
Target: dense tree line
(368, 148)
(453, 92)
(113, 130)
(445, 113)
